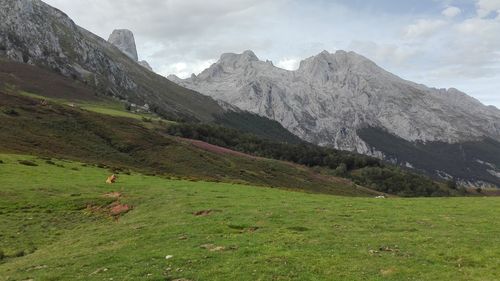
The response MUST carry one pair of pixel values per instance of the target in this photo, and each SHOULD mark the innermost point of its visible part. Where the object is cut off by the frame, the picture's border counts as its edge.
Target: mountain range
(345, 101)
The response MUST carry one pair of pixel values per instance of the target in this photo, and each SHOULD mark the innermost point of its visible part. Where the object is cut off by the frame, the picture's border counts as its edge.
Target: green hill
(57, 224)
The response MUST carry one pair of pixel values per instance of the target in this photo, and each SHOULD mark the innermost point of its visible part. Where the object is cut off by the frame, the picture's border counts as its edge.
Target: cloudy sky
(440, 43)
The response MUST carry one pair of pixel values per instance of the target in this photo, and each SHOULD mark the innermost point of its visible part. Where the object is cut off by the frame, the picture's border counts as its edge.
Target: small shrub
(11, 112)
(28, 163)
(2, 255)
(1, 162)
(18, 254)
(341, 170)
(451, 184)
(75, 169)
(148, 120)
(50, 162)
(479, 190)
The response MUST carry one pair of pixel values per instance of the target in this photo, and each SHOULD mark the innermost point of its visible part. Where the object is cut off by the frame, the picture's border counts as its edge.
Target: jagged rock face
(124, 40)
(331, 96)
(36, 33)
(146, 65)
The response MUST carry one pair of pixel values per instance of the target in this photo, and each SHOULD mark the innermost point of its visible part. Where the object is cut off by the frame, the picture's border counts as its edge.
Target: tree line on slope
(363, 170)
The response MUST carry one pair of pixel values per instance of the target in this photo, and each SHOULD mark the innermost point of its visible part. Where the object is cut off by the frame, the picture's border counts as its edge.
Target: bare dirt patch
(115, 209)
(113, 194)
(212, 247)
(118, 209)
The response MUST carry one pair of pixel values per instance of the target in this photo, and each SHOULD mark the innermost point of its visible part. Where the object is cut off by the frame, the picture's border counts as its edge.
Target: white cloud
(451, 12)
(185, 69)
(385, 54)
(486, 7)
(289, 63)
(423, 28)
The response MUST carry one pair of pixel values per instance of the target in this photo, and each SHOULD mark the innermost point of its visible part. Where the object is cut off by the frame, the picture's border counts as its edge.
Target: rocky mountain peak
(237, 60)
(124, 40)
(332, 95)
(340, 61)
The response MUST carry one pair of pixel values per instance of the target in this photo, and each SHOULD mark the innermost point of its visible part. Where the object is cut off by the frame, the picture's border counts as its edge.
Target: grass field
(106, 107)
(56, 225)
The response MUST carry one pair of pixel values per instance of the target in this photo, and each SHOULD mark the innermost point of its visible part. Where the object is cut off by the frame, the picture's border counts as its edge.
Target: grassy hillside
(57, 225)
(55, 130)
(364, 170)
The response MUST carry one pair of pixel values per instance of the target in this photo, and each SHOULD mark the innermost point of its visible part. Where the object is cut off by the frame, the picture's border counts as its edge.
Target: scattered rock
(167, 257)
(113, 194)
(203, 213)
(38, 267)
(212, 247)
(99, 270)
(389, 249)
(387, 272)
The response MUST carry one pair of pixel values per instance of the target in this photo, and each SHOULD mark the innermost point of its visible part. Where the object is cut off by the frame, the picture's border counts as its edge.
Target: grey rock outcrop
(124, 40)
(331, 96)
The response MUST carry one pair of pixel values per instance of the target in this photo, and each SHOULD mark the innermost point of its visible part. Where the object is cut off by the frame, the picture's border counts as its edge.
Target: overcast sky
(440, 43)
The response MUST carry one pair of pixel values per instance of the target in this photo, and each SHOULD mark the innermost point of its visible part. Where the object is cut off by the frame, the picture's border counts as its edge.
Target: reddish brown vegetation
(217, 149)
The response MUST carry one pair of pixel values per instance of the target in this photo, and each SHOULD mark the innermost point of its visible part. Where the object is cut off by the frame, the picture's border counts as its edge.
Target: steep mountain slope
(35, 33)
(333, 96)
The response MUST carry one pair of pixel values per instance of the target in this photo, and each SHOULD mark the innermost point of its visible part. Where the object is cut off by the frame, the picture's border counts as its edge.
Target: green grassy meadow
(55, 225)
